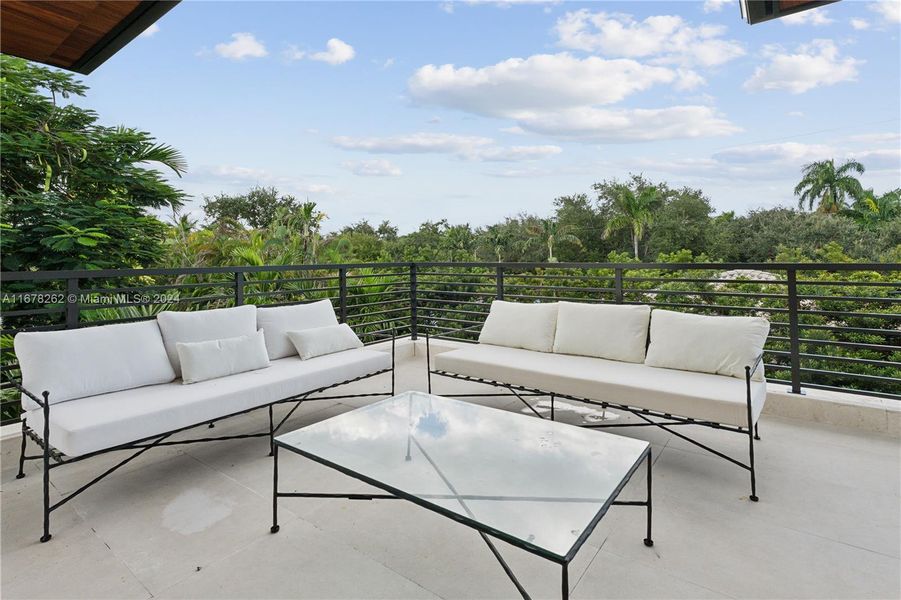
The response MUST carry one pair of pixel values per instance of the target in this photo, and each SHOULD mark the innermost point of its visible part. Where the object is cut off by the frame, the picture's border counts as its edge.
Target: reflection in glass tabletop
(535, 483)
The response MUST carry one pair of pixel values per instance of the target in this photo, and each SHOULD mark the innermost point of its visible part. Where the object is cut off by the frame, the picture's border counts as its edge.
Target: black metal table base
(422, 501)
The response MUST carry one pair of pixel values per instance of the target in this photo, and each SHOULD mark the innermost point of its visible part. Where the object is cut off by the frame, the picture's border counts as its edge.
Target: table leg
(565, 587)
(274, 528)
(648, 541)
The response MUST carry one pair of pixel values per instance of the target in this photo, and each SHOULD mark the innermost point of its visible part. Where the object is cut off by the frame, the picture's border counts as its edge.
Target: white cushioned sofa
(667, 368)
(130, 386)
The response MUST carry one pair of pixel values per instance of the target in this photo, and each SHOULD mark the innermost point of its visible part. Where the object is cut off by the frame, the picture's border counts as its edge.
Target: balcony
(193, 521)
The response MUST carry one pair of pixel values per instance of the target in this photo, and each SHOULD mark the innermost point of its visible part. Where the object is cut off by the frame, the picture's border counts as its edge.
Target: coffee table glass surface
(538, 484)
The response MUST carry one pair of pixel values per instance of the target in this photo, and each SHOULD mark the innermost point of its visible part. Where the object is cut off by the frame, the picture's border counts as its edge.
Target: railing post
(499, 278)
(414, 304)
(618, 285)
(239, 288)
(793, 335)
(342, 294)
(72, 310)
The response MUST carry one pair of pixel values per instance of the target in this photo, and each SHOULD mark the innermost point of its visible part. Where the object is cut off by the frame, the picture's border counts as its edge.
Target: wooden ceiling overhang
(77, 35)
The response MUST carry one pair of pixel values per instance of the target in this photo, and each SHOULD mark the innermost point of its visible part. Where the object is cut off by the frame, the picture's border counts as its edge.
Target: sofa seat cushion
(88, 424)
(701, 396)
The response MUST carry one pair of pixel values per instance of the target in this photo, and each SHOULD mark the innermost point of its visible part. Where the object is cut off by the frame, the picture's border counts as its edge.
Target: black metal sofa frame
(651, 418)
(49, 453)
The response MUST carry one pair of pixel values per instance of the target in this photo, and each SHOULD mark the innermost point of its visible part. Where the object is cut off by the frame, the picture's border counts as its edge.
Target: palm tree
(550, 231)
(498, 238)
(822, 181)
(633, 211)
(870, 210)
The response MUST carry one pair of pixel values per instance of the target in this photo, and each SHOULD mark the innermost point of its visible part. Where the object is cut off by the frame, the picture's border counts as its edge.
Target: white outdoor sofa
(106, 388)
(667, 368)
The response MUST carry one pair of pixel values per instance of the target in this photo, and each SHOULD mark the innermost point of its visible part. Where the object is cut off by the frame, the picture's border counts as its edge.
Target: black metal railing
(833, 326)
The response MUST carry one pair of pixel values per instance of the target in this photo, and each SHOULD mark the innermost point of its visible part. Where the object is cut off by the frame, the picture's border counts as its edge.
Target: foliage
(631, 206)
(256, 209)
(75, 194)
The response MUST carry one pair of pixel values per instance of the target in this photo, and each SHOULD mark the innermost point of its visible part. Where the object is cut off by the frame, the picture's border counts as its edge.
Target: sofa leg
(753, 496)
(21, 472)
(756, 431)
(552, 408)
(271, 432)
(46, 460)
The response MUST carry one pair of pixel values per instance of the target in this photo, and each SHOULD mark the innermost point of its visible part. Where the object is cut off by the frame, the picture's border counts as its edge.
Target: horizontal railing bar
(630, 266)
(839, 344)
(841, 313)
(385, 293)
(561, 276)
(454, 310)
(861, 376)
(297, 292)
(421, 301)
(485, 284)
(701, 280)
(840, 328)
(158, 287)
(559, 288)
(848, 359)
(491, 275)
(850, 298)
(110, 273)
(713, 306)
(377, 312)
(851, 283)
(704, 293)
(446, 320)
(289, 280)
(187, 300)
(379, 303)
(27, 312)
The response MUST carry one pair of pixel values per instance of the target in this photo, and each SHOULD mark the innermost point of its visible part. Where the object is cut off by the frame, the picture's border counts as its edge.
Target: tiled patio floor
(193, 522)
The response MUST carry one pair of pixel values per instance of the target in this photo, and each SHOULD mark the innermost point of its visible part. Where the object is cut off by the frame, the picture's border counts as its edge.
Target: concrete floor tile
(298, 562)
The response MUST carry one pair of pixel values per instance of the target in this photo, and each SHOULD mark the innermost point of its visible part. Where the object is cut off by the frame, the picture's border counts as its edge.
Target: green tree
(75, 194)
(681, 223)
(633, 209)
(497, 239)
(827, 186)
(550, 232)
(870, 210)
(255, 209)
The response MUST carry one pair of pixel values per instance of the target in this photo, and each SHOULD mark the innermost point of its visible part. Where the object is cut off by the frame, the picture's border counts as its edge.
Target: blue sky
(474, 110)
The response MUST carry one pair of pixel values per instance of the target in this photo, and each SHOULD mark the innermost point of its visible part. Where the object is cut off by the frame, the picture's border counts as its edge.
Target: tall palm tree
(633, 210)
(831, 187)
(550, 231)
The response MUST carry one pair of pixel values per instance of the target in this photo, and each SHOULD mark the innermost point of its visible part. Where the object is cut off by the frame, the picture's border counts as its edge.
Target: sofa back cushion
(709, 344)
(611, 331)
(204, 325)
(520, 325)
(77, 363)
(277, 321)
(219, 358)
(320, 341)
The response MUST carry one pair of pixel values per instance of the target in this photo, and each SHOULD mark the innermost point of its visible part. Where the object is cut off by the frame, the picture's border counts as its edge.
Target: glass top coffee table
(539, 485)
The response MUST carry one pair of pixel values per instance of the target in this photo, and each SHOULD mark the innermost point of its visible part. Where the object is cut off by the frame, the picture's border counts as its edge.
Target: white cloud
(792, 152)
(150, 31)
(463, 146)
(870, 138)
(292, 53)
(373, 168)
(388, 63)
(628, 125)
(243, 45)
(796, 113)
(816, 17)
(560, 95)
(890, 10)
(666, 39)
(860, 24)
(716, 5)
(238, 177)
(447, 7)
(880, 159)
(540, 81)
(811, 65)
(336, 52)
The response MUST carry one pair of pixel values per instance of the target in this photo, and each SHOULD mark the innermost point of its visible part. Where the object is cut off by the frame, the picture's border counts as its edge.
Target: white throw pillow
(77, 363)
(204, 325)
(709, 344)
(218, 358)
(611, 331)
(277, 321)
(519, 325)
(318, 341)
